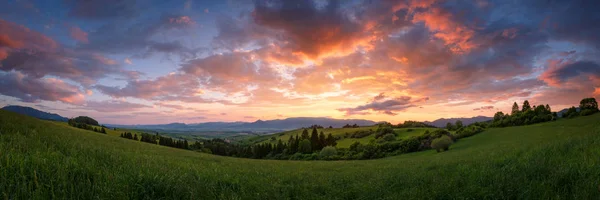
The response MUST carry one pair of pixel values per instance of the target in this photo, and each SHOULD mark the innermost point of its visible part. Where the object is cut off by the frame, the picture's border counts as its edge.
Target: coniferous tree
(135, 137)
(304, 134)
(515, 109)
(296, 146)
(331, 140)
(526, 106)
(314, 140)
(322, 140)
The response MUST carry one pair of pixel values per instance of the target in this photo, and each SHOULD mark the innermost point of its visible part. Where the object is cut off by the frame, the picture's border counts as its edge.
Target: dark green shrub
(442, 143)
(361, 134)
(587, 112)
(383, 130)
(468, 131)
(389, 137)
(328, 152)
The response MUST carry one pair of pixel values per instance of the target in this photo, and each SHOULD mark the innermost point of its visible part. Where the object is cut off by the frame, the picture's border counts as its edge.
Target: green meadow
(552, 160)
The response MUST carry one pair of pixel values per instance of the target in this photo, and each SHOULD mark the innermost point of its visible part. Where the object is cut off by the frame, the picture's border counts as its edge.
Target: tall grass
(41, 160)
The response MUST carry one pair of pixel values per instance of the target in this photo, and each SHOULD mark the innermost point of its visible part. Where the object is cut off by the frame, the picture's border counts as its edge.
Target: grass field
(43, 160)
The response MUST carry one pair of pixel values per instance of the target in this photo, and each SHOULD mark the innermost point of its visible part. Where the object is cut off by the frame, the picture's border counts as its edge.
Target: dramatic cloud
(114, 106)
(15, 37)
(311, 31)
(37, 55)
(385, 106)
(302, 58)
(561, 72)
(170, 87)
(30, 89)
(231, 72)
(140, 39)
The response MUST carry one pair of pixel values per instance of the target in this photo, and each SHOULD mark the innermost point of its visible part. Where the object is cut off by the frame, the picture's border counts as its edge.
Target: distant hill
(563, 111)
(466, 121)
(35, 113)
(266, 126)
(299, 122)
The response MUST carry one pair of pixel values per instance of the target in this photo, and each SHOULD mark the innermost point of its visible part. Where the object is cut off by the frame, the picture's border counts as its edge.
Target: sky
(191, 61)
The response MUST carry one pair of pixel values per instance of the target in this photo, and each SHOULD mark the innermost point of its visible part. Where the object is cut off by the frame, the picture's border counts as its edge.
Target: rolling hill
(41, 159)
(35, 113)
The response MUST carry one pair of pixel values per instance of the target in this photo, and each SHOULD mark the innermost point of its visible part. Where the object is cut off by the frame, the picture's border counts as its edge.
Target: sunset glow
(157, 62)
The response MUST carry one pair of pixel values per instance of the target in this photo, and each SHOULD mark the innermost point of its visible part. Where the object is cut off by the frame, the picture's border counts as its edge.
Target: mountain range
(35, 113)
(257, 126)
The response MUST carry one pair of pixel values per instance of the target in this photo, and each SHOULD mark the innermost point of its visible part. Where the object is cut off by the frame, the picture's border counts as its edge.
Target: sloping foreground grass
(558, 160)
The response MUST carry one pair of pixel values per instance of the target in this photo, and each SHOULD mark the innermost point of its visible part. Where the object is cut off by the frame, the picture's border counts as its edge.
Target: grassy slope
(40, 160)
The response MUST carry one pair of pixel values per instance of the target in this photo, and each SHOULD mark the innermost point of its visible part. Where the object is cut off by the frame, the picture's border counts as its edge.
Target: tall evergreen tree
(322, 140)
(331, 140)
(515, 109)
(526, 106)
(548, 108)
(314, 140)
(304, 134)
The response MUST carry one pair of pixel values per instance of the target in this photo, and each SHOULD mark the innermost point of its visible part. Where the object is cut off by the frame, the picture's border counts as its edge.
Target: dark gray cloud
(384, 106)
(565, 72)
(139, 38)
(484, 108)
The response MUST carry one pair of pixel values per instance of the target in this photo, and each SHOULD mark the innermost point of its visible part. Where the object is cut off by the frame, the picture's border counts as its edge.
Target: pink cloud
(30, 89)
(78, 34)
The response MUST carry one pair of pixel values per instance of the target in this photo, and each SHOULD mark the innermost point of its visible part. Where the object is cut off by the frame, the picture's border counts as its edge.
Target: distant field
(284, 136)
(401, 133)
(44, 160)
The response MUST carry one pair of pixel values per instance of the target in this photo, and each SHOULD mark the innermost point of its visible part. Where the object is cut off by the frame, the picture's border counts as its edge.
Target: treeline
(170, 142)
(299, 144)
(413, 124)
(587, 106)
(83, 124)
(351, 126)
(130, 136)
(303, 147)
(158, 139)
(524, 116)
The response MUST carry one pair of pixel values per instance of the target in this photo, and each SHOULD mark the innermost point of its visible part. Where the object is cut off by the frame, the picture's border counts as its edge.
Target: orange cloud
(456, 35)
(311, 32)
